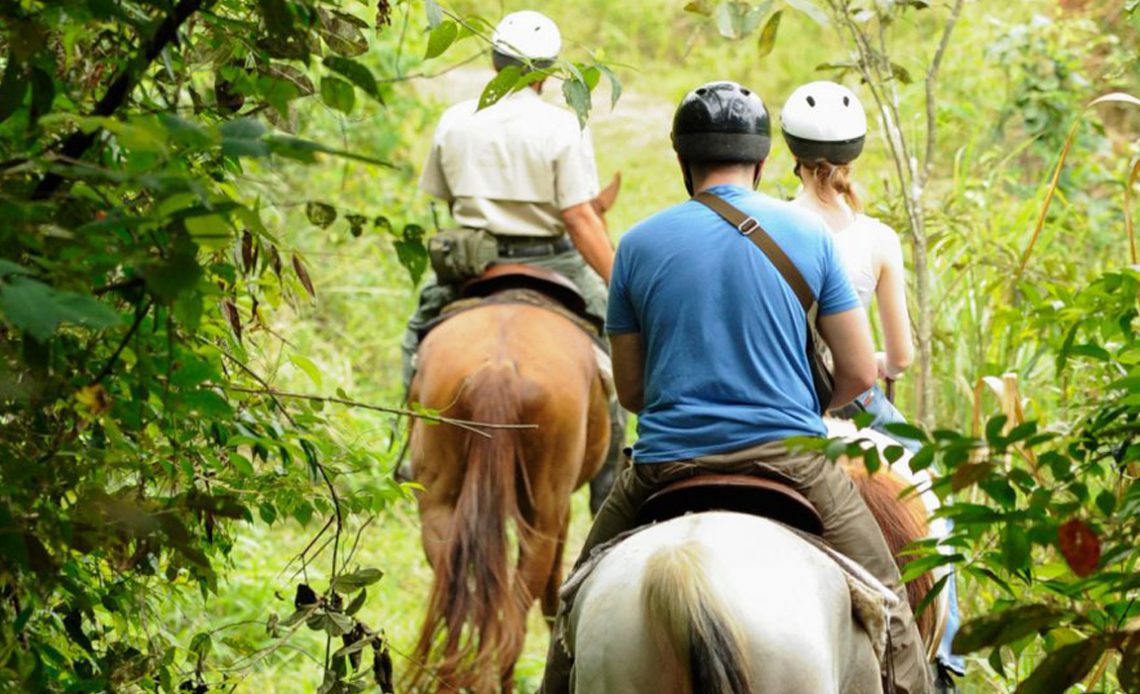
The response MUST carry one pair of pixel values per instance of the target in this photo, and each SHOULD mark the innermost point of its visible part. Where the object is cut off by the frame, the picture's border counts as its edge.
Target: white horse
(692, 606)
(689, 606)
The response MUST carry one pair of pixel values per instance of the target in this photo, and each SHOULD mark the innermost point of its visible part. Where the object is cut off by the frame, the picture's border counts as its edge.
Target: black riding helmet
(721, 122)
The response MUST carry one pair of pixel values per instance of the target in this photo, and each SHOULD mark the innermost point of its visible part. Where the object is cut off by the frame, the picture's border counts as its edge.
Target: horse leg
(550, 595)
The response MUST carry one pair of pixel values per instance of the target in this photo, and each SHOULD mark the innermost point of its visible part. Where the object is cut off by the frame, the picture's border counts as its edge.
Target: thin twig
(139, 316)
(433, 75)
(473, 427)
(931, 77)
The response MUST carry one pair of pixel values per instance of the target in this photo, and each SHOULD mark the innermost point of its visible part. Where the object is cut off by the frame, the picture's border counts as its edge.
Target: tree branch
(473, 427)
(931, 78)
(140, 314)
(77, 144)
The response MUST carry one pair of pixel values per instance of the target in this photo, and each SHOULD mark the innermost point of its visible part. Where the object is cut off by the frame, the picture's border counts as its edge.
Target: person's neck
(724, 178)
(834, 210)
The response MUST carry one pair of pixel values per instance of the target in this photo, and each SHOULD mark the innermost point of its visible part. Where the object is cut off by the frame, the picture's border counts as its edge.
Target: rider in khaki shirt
(522, 169)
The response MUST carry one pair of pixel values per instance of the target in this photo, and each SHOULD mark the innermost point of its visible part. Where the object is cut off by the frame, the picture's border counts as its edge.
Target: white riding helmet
(824, 120)
(527, 35)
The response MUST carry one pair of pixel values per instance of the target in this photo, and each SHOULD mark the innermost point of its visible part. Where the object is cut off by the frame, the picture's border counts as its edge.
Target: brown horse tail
(696, 629)
(477, 609)
(902, 520)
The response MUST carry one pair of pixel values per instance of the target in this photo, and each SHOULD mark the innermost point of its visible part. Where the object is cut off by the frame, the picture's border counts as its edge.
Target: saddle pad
(529, 297)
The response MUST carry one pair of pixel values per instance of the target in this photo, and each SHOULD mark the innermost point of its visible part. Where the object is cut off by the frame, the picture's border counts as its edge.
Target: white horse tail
(692, 624)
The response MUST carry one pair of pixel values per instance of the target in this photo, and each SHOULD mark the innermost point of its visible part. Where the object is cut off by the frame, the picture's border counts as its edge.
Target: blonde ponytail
(830, 177)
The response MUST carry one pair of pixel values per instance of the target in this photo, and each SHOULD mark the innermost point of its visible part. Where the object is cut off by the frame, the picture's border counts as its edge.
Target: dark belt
(533, 246)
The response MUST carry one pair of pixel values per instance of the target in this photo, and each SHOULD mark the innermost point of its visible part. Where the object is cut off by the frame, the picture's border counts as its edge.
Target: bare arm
(890, 294)
(588, 232)
(629, 370)
(853, 355)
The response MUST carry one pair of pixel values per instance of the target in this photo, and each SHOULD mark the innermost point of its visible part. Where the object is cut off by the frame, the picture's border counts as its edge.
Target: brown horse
(902, 518)
(495, 508)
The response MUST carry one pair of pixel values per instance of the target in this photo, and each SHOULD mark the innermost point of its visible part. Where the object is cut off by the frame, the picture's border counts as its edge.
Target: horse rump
(691, 624)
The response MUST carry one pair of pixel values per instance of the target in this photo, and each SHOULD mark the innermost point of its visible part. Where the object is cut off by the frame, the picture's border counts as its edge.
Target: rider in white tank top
(824, 126)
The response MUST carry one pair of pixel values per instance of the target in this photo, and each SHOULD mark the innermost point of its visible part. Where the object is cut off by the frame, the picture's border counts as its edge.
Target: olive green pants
(848, 526)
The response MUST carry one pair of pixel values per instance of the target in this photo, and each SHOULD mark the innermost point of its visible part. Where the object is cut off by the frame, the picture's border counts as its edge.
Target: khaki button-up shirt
(512, 167)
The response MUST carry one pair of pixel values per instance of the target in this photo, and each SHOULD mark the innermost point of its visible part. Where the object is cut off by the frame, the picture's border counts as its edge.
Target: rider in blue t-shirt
(708, 345)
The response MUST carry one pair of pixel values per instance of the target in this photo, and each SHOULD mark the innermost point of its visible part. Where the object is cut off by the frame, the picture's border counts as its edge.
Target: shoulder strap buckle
(748, 226)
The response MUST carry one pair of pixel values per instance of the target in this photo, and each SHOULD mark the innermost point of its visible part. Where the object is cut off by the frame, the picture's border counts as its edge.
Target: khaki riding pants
(848, 526)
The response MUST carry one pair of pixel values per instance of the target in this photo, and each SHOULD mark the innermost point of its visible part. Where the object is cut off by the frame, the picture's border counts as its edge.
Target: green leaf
(1015, 547)
(343, 32)
(320, 214)
(1064, 667)
(39, 309)
(615, 85)
(352, 582)
(700, 7)
(901, 73)
(305, 364)
(211, 231)
(357, 602)
(8, 268)
(13, 87)
(577, 95)
(441, 38)
(811, 10)
(906, 431)
(201, 644)
(338, 94)
(356, 73)
(730, 18)
(499, 86)
(767, 39)
(411, 253)
(1006, 626)
(433, 12)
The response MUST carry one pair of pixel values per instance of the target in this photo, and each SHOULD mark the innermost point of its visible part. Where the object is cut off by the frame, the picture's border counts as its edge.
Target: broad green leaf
(320, 214)
(767, 39)
(433, 12)
(730, 18)
(352, 582)
(356, 73)
(1006, 626)
(210, 231)
(577, 95)
(13, 87)
(8, 268)
(441, 38)
(305, 364)
(615, 85)
(812, 10)
(906, 431)
(39, 309)
(343, 32)
(1064, 667)
(338, 94)
(499, 86)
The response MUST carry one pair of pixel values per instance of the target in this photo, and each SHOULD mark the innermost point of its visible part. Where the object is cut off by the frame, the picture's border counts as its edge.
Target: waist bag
(816, 350)
(459, 254)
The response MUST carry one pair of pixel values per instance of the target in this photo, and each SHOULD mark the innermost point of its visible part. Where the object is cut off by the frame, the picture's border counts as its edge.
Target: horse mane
(692, 624)
(902, 520)
(474, 584)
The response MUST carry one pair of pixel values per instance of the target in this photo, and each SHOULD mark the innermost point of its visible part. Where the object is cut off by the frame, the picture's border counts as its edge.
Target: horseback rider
(708, 346)
(825, 127)
(523, 170)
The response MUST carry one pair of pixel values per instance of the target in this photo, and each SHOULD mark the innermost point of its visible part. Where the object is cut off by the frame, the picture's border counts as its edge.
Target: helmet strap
(756, 173)
(687, 174)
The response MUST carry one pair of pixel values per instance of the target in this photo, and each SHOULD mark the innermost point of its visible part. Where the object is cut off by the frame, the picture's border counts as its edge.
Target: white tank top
(858, 245)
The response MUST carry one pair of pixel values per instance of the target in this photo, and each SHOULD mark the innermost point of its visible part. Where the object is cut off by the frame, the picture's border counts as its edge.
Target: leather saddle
(757, 496)
(503, 276)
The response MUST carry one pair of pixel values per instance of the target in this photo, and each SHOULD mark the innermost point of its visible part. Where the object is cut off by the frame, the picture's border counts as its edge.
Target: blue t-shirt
(723, 332)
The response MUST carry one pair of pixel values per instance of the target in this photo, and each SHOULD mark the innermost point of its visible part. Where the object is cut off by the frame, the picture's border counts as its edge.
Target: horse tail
(684, 612)
(477, 606)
